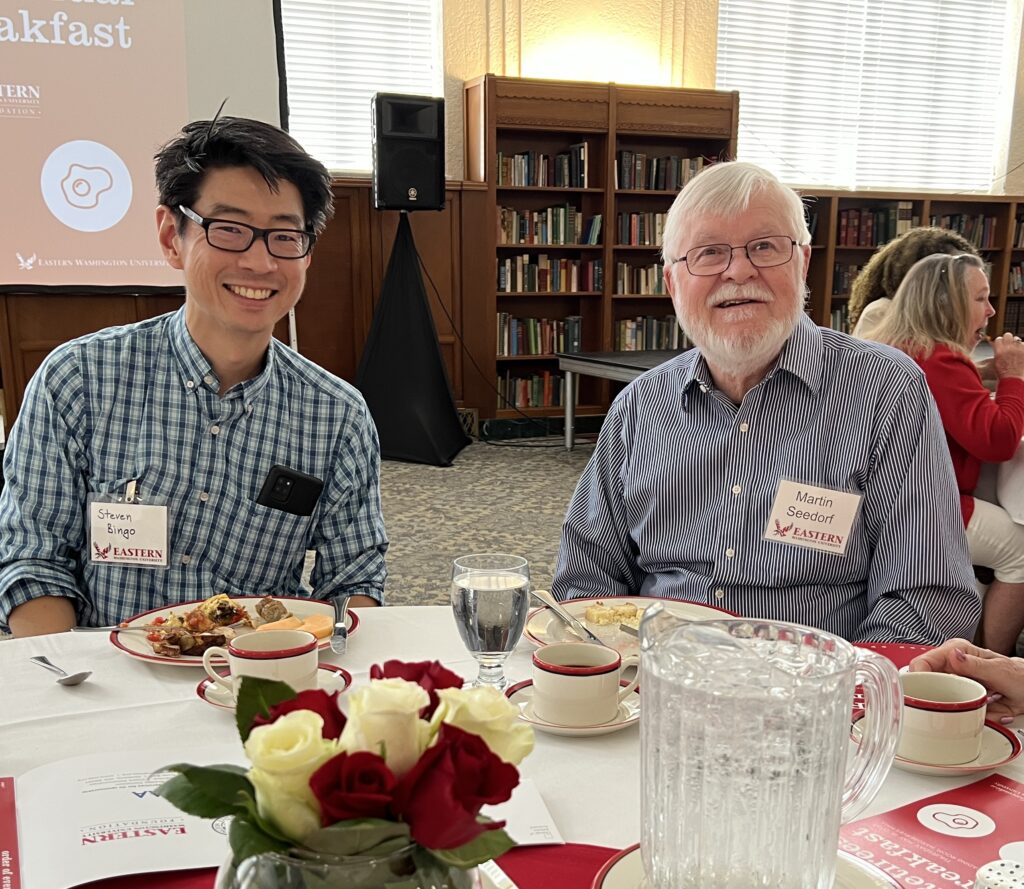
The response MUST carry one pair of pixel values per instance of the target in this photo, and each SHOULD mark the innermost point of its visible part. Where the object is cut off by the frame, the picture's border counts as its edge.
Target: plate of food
(179, 634)
(605, 617)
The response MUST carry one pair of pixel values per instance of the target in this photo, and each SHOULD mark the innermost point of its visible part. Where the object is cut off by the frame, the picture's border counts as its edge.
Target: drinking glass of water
(490, 598)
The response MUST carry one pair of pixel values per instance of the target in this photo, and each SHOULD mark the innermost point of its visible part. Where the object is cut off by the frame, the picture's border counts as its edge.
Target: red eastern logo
(782, 530)
(105, 551)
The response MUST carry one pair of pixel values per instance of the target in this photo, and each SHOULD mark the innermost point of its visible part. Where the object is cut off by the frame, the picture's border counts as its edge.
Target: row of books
(840, 319)
(1018, 233)
(872, 226)
(979, 229)
(538, 336)
(843, 275)
(544, 389)
(639, 279)
(640, 229)
(544, 274)
(635, 170)
(560, 224)
(647, 332)
(565, 170)
(1013, 321)
(1017, 277)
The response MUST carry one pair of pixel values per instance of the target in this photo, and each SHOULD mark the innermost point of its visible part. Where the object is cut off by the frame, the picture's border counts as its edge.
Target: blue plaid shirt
(140, 402)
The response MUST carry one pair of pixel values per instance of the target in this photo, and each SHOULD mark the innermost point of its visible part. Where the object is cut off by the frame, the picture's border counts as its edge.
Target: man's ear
(167, 235)
(805, 249)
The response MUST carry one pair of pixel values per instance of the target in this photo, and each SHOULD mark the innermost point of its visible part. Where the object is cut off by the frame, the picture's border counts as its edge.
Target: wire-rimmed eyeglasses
(237, 237)
(713, 259)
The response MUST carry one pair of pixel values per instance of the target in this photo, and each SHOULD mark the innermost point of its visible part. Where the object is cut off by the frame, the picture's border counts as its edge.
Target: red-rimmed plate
(329, 678)
(625, 870)
(900, 653)
(543, 626)
(136, 645)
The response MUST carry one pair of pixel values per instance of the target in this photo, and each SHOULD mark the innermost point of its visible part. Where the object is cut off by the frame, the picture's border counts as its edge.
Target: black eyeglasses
(713, 259)
(237, 237)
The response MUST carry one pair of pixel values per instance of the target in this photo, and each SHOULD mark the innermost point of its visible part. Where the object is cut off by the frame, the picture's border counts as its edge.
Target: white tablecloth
(591, 785)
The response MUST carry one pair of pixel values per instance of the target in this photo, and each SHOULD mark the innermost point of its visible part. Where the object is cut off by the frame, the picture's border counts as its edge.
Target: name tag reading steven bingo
(818, 518)
(128, 534)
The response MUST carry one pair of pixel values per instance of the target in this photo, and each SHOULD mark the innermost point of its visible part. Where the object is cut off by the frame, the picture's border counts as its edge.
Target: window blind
(338, 53)
(866, 93)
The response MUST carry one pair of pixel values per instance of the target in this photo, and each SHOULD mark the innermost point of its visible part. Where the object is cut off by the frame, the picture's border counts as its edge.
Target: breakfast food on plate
(603, 615)
(217, 619)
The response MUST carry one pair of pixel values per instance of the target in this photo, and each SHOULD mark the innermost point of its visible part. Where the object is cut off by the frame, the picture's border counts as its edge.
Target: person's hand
(1008, 356)
(987, 368)
(1003, 676)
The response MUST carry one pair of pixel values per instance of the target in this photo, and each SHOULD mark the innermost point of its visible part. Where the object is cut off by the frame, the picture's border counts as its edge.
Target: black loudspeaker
(408, 152)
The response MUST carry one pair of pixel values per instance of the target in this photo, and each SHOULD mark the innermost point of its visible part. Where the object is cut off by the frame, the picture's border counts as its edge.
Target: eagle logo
(26, 264)
(782, 530)
(101, 552)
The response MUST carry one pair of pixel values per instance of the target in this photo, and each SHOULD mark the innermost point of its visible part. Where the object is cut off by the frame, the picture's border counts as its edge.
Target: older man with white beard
(778, 470)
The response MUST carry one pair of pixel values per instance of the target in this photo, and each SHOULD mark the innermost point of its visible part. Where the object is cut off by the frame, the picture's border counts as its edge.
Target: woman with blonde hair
(938, 315)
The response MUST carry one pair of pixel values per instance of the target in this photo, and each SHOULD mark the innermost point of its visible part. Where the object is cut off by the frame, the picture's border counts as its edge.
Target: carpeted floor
(493, 498)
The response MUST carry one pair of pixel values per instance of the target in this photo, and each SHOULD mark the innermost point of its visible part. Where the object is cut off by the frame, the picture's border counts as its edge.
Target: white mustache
(731, 292)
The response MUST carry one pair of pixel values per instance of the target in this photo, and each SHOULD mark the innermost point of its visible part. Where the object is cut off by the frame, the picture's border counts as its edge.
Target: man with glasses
(165, 432)
(778, 470)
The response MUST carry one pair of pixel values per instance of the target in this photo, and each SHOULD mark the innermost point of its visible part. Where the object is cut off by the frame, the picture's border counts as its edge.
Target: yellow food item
(603, 615)
(320, 625)
(286, 623)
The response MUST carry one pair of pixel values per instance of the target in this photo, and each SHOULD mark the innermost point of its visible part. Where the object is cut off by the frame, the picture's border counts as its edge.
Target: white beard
(741, 352)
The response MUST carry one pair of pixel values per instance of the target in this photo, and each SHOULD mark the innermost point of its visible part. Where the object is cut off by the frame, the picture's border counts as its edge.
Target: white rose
(284, 755)
(384, 718)
(488, 713)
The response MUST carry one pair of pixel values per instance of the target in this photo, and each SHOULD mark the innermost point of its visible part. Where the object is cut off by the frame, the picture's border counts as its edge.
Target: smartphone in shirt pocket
(290, 491)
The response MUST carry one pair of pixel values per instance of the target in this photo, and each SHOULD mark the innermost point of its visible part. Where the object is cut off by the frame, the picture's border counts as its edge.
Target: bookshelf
(578, 179)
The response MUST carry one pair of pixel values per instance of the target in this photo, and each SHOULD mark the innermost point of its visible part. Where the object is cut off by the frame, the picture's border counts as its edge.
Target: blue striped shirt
(141, 402)
(677, 496)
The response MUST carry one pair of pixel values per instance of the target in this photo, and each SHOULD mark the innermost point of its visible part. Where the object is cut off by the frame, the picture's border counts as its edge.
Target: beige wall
(653, 42)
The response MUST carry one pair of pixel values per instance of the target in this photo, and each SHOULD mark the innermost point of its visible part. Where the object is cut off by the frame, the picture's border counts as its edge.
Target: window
(338, 53)
(867, 93)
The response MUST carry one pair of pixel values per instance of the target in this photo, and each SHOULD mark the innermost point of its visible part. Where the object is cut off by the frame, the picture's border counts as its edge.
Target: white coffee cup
(577, 683)
(285, 655)
(943, 716)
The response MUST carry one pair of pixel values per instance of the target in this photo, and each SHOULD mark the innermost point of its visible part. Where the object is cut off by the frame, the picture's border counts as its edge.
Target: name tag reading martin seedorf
(812, 517)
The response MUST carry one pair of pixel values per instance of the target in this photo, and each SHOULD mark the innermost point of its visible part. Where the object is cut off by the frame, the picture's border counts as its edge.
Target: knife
(339, 638)
(573, 623)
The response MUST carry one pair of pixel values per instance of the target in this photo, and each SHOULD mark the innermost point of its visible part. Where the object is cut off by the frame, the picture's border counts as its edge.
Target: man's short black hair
(204, 145)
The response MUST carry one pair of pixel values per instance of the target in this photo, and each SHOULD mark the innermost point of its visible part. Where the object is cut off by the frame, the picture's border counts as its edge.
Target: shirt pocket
(265, 548)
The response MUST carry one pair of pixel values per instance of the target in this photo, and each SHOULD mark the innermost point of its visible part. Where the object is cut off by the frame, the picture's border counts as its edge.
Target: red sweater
(978, 428)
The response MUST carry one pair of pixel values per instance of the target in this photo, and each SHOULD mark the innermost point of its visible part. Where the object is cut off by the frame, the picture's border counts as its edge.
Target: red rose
(319, 702)
(441, 796)
(429, 675)
(353, 785)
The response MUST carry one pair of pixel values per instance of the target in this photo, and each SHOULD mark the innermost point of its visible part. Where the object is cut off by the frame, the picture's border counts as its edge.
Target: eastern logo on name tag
(812, 516)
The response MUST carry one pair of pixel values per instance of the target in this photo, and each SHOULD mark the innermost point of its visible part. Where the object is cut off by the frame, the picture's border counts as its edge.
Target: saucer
(625, 870)
(999, 745)
(521, 694)
(329, 678)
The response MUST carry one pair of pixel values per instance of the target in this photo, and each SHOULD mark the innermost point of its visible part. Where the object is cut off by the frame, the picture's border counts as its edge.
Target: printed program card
(527, 818)
(940, 842)
(10, 869)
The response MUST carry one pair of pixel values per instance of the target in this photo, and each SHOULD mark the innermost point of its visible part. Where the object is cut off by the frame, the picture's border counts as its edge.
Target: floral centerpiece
(401, 777)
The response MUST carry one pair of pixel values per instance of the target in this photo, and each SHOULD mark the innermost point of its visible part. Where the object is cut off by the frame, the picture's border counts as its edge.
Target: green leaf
(252, 813)
(490, 844)
(359, 836)
(255, 698)
(206, 791)
(247, 840)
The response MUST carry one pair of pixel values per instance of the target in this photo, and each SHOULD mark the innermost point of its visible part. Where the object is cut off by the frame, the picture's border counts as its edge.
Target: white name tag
(128, 534)
(818, 518)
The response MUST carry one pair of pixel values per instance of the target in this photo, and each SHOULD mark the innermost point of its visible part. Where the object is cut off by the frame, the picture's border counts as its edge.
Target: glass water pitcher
(745, 730)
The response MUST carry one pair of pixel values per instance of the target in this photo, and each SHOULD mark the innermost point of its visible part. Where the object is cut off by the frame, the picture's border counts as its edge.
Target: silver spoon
(65, 677)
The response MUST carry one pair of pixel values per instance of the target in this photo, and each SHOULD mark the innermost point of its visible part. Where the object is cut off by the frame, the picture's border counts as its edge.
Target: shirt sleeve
(42, 506)
(350, 540)
(988, 429)
(921, 586)
(597, 556)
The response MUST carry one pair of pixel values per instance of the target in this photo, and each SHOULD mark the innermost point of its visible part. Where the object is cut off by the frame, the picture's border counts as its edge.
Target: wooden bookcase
(538, 119)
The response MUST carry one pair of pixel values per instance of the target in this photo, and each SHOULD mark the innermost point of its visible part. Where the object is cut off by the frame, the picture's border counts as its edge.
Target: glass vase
(407, 868)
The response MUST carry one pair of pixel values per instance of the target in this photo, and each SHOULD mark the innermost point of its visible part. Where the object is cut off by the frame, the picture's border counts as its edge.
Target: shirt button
(730, 552)
(190, 385)
(214, 430)
(208, 379)
(719, 594)
(248, 408)
(744, 427)
(186, 559)
(204, 496)
(736, 489)
(704, 389)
